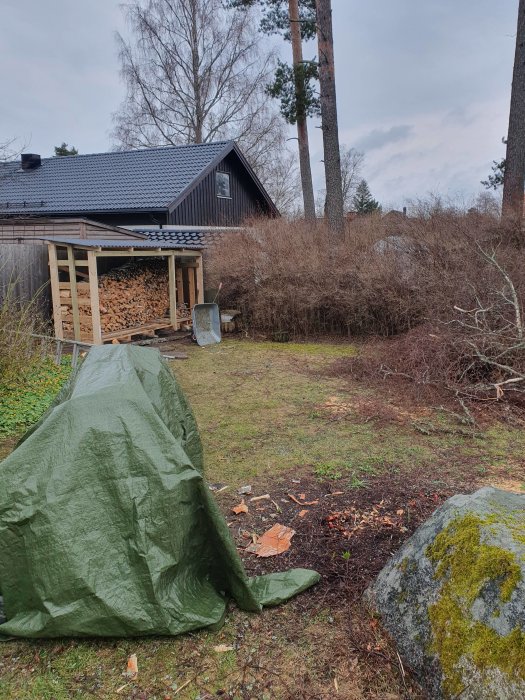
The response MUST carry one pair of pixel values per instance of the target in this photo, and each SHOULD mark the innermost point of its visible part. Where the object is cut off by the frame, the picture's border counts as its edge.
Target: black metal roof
(118, 181)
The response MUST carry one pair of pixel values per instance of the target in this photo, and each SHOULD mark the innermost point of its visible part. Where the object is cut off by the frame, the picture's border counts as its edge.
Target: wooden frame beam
(172, 283)
(74, 296)
(180, 284)
(55, 291)
(191, 287)
(200, 280)
(145, 253)
(93, 293)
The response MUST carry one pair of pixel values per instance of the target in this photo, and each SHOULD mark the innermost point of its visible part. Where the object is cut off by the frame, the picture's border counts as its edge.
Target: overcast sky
(423, 87)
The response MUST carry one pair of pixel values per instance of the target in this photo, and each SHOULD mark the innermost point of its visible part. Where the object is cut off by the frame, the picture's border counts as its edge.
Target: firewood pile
(129, 296)
(133, 294)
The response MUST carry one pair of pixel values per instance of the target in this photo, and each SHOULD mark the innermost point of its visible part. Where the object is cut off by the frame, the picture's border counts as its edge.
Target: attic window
(222, 185)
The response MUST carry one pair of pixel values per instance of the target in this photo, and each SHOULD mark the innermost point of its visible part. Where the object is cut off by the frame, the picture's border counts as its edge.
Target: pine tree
(294, 86)
(65, 150)
(363, 201)
(332, 153)
(512, 206)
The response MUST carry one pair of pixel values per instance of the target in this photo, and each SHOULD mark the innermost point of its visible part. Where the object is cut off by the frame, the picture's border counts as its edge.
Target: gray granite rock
(453, 598)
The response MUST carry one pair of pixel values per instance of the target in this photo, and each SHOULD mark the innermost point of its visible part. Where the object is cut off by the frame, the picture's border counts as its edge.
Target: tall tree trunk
(302, 126)
(513, 179)
(332, 155)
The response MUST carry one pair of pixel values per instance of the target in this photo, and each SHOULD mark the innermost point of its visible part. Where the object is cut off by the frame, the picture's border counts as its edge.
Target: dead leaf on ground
(303, 513)
(241, 508)
(132, 670)
(275, 541)
(222, 648)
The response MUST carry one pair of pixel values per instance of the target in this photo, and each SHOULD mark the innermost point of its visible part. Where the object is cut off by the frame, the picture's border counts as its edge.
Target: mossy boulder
(453, 598)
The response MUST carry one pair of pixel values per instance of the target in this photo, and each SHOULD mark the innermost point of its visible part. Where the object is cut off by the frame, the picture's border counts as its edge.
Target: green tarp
(107, 527)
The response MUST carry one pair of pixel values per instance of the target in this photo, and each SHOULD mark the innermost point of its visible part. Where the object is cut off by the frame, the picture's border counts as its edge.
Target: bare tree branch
(195, 72)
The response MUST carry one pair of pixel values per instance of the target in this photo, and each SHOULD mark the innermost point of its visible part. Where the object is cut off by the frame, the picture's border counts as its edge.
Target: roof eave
(81, 213)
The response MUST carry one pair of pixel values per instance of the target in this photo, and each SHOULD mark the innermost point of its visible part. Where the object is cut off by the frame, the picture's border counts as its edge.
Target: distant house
(196, 185)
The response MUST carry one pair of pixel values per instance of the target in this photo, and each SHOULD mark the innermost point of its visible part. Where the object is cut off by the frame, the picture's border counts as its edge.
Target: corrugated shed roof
(121, 244)
(139, 180)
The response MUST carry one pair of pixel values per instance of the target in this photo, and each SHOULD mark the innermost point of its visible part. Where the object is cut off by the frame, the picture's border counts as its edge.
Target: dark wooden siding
(24, 273)
(202, 207)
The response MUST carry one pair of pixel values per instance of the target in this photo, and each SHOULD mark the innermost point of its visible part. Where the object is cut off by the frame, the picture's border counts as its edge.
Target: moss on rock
(467, 565)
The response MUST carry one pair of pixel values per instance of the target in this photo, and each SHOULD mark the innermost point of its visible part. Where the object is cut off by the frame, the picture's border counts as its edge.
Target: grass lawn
(278, 417)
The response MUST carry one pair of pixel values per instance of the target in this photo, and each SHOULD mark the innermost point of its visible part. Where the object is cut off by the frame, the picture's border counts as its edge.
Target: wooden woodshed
(75, 273)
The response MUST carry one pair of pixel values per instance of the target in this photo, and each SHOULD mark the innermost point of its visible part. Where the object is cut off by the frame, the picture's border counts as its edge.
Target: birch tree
(196, 72)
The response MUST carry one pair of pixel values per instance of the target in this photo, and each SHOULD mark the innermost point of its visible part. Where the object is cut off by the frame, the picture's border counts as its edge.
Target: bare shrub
(19, 322)
(451, 286)
(381, 278)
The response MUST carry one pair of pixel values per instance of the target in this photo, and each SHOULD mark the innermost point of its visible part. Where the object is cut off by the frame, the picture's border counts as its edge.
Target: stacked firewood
(129, 296)
(133, 294)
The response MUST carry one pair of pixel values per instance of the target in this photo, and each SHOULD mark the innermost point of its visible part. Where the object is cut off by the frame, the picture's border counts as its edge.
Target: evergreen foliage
(65, 150)
(276, 20)
(283, 88)
(495, 179)
(363, 201)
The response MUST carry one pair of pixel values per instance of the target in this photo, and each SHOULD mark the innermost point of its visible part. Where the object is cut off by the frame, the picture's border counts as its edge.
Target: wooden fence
(24, 273)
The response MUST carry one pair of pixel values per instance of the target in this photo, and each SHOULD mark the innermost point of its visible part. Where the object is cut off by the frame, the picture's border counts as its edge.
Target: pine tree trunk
(332, 155)
(302, 126)
(513, 180)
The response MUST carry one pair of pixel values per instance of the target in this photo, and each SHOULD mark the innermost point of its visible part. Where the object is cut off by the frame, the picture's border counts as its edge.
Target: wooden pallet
(126, 334)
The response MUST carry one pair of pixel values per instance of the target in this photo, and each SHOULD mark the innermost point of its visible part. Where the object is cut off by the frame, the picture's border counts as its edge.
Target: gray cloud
(379, 137)
(420, 66)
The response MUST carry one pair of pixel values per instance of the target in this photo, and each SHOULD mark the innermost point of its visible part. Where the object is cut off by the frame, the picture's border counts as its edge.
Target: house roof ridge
(135, 150)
